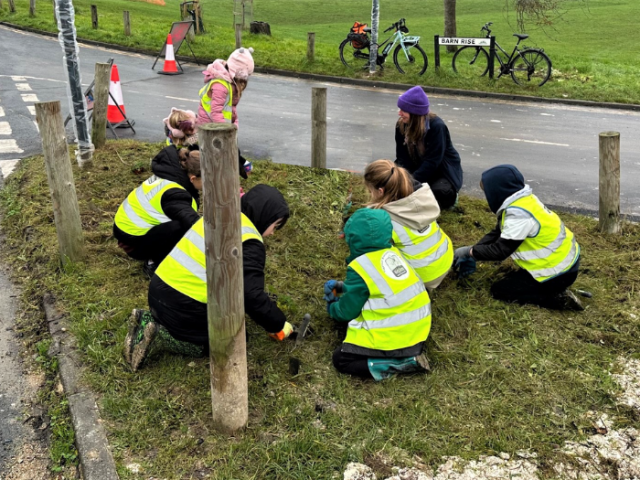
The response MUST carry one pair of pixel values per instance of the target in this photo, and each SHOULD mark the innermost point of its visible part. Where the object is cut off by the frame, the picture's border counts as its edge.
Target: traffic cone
(170, 66)
(115, 115)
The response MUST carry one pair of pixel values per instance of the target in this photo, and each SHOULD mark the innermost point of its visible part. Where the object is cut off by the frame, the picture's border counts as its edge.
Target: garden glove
(329, 287)
(464, 266)
(462, 252)
(284, 333)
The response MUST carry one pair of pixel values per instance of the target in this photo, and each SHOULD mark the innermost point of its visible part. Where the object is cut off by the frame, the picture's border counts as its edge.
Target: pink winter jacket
(218, 94)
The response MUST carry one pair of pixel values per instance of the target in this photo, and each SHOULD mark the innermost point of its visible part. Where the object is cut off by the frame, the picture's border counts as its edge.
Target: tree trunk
(450, 22)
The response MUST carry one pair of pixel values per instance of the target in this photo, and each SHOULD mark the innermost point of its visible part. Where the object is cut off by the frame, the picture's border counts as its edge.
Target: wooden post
(32, 8)
(127, 24)
(196, 7)
(55, 17)
(238, 35)
(311, 46)
(609, 214)
(94, 17)
(12, 6)
(100, 104)
(319, 127)
(66, 212)
(225, 298)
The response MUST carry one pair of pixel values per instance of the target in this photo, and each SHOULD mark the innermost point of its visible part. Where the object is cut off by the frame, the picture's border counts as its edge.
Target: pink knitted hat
(240, 63)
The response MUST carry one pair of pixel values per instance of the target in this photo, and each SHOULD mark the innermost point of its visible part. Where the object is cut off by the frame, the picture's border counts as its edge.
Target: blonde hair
(395, 181)
(414, 132)
(241, 84)
(179, 123)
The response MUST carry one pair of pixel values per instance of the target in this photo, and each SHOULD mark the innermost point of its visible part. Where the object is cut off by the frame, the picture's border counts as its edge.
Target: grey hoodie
(417, 211)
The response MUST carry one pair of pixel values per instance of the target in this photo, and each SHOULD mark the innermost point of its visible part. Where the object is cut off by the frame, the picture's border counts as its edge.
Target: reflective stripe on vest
(553, 250)
(429, 252)
(205, 100)
(185, 268)
(142, 209)
(397, 314)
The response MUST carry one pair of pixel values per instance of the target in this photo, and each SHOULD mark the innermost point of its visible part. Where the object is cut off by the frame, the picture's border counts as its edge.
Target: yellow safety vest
(142, 209)
(397, 314)
(205, 100)
(429, 252)
(553, 250)
(185, 268)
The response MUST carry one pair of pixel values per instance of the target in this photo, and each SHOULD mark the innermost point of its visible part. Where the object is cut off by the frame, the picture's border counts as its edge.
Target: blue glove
(464, 266)
(462, 252)
(329, 285)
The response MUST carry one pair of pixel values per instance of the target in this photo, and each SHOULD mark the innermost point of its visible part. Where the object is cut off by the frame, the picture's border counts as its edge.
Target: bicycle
(408, 56)
(527, 66)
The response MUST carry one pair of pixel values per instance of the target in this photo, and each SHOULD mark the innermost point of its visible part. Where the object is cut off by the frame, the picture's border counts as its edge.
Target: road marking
(32, 109)
(24, 79)
(183, 99)
(8, 166)
(29, 97)
(538, 142)
(5, 128)
(496, 121)
(24, 87)
(9, 146)
(18, 79)
(548, 114)
(1, 112)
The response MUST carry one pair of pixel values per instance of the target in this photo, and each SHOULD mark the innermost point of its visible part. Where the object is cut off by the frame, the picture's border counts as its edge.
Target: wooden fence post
(55, 17)
(319, 127)
(12, 6)
(94, 17)
(225, 298)
(127, 23)
(100, 104)
(609, 211)
(311, 46)
(238, 35)
(196, 7)
(66, 212)
(32, 8)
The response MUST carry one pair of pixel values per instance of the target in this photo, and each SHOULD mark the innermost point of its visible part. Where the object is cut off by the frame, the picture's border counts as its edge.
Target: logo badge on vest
(393, 266)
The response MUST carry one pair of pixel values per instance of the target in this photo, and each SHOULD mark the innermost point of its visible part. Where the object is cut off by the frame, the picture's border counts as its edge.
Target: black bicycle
(527, 66)
(408, 57)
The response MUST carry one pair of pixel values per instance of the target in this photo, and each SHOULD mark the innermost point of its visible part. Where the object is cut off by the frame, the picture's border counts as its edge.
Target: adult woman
(178, 290)
(533, 236)
(154, 216)
(424, 148)
(384, 301)
(413, 210)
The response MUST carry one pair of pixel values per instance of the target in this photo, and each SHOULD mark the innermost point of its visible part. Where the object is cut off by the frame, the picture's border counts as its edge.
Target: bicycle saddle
(521, 36)
(367, 29)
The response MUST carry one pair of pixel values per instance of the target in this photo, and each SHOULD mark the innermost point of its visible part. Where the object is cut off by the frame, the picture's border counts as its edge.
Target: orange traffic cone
(170, 66)
(115, 115)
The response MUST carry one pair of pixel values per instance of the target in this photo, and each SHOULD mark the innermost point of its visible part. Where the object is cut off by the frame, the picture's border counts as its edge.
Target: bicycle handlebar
(486, 27)
(396, 25)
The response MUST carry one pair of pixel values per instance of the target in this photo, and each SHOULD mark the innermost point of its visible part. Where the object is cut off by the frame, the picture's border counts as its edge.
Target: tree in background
(450, 22)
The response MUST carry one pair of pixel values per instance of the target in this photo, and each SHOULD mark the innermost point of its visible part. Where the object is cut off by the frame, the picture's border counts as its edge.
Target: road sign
(460, 41)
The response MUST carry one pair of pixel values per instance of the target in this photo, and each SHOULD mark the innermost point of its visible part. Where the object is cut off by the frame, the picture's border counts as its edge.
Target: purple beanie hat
(414, 101)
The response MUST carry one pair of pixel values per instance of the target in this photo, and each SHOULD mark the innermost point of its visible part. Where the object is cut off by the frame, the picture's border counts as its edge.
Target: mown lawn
(594, 45)
(504, 377)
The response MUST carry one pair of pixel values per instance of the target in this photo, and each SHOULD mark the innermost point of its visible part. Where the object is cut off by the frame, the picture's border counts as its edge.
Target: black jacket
(186, 319)
(439, 160)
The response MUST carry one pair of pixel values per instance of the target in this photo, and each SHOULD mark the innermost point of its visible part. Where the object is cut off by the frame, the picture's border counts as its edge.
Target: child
(536, 239)
(154, 216)
(178, 290)
(224, 84)
(413, 210)
(424, 147)
(180, 128)
(384, 301)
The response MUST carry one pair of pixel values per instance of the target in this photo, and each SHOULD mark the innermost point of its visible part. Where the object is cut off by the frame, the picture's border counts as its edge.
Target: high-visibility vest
(397, 314)
(553, 250)
(429, 252)
(205, 99)
(185, 268)
(142, 209)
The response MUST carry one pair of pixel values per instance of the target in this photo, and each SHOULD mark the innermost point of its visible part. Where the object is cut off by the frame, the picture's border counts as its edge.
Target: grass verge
(584, 65)
(504, 377)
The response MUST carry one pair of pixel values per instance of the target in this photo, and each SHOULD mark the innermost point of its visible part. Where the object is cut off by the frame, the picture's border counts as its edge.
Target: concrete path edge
(358, 81)
(96, 461)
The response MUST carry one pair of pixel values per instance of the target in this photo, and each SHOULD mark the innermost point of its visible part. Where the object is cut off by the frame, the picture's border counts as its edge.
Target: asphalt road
(555, 146)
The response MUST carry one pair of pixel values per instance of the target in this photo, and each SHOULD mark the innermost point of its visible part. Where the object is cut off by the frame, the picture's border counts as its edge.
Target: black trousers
(520, 287)
(156, 244)
(444, 192)
(351, 364)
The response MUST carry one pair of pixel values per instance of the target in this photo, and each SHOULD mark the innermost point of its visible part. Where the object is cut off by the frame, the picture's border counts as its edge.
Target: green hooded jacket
(366, 231)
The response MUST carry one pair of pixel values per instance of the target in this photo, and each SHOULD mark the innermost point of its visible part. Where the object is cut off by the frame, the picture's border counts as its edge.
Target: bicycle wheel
(355, 58)
(416, 63)
(531, 67)
(471, 62)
